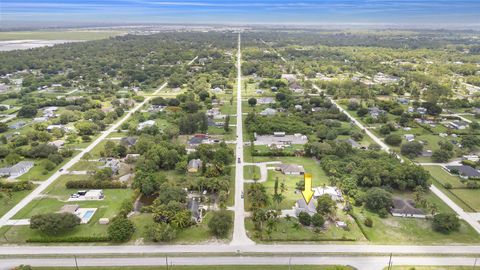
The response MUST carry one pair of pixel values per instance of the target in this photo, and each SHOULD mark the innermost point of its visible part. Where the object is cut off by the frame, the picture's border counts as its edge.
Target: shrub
(393, 139)
(161, 232)
(445, 223)
(16, 186)
(368, 222)
(121, 229)
(91, 184)
(71, 239)
(54, 223)
(220, 223)
(317, 220)
(447, 185)
(304, 219)
(472, 185)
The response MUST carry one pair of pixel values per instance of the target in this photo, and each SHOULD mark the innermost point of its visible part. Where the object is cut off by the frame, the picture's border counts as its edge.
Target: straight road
(259, 249)
(239, 234)
(370, 263)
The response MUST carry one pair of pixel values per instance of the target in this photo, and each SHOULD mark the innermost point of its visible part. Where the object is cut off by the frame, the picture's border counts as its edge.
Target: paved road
(326, 249)
(69, 164)
(370, 263)
(239, 234)
(469, 218)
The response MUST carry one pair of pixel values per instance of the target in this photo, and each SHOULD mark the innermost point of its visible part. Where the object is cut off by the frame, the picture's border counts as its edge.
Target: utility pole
(390, 262)
(475, 264)
(166, 261)
(76, 263)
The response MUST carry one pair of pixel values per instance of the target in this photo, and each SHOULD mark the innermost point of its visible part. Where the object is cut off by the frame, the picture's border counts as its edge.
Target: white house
(148, 123)
(409, 137)
(333, 192)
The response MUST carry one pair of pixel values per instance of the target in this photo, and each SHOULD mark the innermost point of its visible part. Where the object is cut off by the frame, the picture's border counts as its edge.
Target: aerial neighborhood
(300, 138)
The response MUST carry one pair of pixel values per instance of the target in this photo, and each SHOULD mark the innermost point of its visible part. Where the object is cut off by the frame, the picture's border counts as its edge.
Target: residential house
(265, 100)
(58, 143)
(17, 125)
(280, 138)
(473, 158)
(375, 112)
(421, 110)
(268, 112)
(148, 123)
(113, 164)
(302, 206)
(290, 169)
(458, 124)
(403, 101)
(409, 137)
(289, 77)
(463, 171)
(405, 208)
(334, 192)
(16, 170)
(128, 141)
(194, 165)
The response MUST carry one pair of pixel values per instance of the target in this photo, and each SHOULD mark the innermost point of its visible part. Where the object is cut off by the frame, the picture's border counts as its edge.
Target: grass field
(397, 230)
(286, 232)
(7, 203)
(58, 35)
(444, 177)
(196, 234)
(431, 268)
(213, 267)
(290, 193)
(251, 172)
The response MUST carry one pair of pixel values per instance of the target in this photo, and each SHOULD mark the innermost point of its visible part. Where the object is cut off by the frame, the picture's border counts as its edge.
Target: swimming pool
(85, 214)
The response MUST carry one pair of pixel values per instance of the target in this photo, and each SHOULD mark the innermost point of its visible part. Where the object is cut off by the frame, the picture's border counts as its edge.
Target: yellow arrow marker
(307, 192)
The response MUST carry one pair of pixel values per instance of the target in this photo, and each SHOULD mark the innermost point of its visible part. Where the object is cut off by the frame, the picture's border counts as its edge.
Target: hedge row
(91, 184)
(16, 186)
(71, 239)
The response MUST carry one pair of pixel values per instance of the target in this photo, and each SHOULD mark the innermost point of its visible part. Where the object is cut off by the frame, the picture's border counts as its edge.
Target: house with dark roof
(128, 141)
(405, 208)
(464, 171)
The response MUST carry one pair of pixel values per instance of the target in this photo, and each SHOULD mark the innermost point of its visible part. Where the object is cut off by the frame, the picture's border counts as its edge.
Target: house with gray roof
(463, 171)
(16, 170)
(302, 206)
(290, 169)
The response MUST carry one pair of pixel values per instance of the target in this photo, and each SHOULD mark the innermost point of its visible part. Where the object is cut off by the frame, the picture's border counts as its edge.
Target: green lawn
(431, 268)
(38, 173)
(286, 232)
(196, 234)
(444, 177)
(213, 267)
(84, 165)
(251, 172)
(290, 193)
(470, 196)
(397, 230)
(7, 203)
(60, 35)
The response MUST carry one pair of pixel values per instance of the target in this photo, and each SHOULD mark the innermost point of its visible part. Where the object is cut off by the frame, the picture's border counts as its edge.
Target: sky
(405, 12)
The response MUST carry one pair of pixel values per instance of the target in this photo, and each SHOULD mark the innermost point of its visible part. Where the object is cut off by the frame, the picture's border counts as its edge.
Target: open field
(59, 35)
